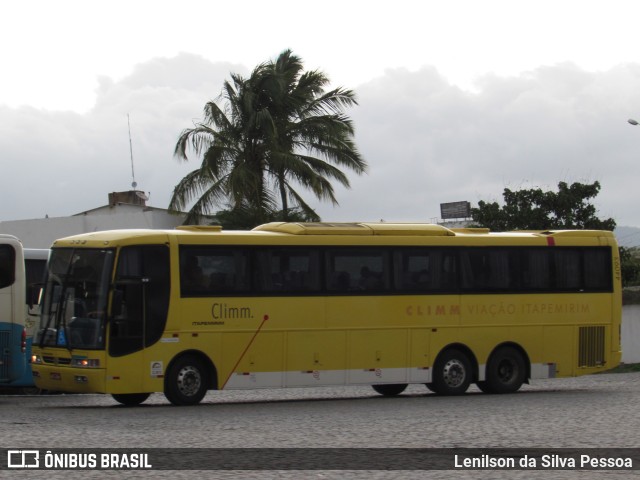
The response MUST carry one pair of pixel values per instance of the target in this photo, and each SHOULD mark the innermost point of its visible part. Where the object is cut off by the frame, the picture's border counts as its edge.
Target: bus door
(140, 304)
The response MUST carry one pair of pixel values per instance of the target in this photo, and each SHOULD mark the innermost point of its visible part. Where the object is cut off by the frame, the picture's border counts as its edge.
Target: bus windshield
(75, 298)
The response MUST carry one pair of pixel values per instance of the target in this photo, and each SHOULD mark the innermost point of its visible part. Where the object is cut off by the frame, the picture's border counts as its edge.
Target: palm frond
(263, 134)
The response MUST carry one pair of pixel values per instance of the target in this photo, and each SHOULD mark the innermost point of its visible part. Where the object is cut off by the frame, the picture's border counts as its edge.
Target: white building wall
(41, 232)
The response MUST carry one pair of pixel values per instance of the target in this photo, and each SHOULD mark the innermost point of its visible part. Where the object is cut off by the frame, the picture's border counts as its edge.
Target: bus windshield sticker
(62, 339)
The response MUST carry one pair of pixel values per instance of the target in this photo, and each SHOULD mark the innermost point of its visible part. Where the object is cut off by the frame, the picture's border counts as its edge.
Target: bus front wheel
(130, 399)
(390, 390)
(451, 373)
(506, 371)
(185, 383)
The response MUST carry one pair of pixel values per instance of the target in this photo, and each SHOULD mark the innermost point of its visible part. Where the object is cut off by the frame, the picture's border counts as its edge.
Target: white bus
(12, 298)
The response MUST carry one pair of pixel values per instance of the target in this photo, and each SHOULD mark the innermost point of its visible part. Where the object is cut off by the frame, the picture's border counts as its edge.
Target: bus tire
(506, 371)
(390, 390)
(186, 381)
(130, 399)
(451, 373)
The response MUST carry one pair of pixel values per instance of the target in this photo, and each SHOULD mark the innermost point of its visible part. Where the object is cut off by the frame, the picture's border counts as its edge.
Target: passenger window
(597, 269)
(425, 270)
(34, 273)
(213, 270)
(536, 269)
(288, 270)
(357, 271)
(7, 265)
(490, 269)
(567, 265)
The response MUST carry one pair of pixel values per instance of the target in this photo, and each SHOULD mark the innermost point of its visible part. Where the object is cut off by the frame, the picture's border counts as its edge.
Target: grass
(625, 368)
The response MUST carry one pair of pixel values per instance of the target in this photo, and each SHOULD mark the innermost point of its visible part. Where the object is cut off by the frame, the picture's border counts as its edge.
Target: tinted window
(288, 270)
(567, 269)
(535, 269)
(597, 269)
(490, 269)
(213, 270)
(7, 265)
(425, 270)
(140, 299)
(225, 270)
(34, 271)
(357, 270)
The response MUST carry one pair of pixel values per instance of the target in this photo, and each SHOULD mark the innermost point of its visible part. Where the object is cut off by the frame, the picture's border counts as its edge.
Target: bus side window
(567, 264)
(340, 281)
(191, 277)
(597, 269)
(536, 269)
(287, 271)
(140, 301)
(412, 270)
(448, 271)
(34, 271)
(360, 271)
(211, 270)
(7, 265)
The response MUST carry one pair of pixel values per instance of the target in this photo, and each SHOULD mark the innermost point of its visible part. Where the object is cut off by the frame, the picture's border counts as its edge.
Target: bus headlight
(85, 362)
(37, 359)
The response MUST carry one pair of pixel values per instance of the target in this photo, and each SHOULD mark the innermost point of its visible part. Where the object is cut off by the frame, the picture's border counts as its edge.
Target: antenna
(133, 176)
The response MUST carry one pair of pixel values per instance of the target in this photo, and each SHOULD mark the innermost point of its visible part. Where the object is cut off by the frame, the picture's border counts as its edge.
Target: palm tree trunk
(283, 196)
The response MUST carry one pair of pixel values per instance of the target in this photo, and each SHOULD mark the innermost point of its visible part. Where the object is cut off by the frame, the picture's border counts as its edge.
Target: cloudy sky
(457, 99)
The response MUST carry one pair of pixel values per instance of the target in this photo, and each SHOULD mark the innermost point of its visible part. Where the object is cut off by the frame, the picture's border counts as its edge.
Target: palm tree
(277, 128)
(233, 153)
(310, 132)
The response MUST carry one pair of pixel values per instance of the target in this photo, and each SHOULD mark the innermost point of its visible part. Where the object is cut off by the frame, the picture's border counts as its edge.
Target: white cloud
(62, 163)
(427, 140)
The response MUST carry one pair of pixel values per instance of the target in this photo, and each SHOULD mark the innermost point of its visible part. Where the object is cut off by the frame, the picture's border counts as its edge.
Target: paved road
(593, 411)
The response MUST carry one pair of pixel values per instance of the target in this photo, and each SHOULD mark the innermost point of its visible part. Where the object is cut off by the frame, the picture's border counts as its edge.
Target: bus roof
(285, 229)
(6, 238)
(356, 229)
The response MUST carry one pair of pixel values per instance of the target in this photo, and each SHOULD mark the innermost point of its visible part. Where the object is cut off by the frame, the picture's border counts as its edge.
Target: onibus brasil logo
(25, 458)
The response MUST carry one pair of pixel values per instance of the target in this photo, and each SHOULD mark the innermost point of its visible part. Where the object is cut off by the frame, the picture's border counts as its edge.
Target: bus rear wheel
(451, 373)
(186, 381)
(130, 399)
(390, 390)
(506, 371)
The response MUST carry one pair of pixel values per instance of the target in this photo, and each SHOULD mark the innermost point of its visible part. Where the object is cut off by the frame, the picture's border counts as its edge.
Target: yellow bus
(131, 312)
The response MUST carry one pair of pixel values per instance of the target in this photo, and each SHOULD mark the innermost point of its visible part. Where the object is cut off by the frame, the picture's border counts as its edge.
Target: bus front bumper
(69, 379)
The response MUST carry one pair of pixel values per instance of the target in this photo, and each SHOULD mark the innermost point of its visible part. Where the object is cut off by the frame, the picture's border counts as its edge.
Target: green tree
(630, 265)
(231, 140)
(276, 129)
(244, 218)
(310, 134)
(535, 209)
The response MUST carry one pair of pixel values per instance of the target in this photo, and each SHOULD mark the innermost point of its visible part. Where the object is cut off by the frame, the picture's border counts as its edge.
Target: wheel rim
(454, 373)
(189, 381)
(507, 371)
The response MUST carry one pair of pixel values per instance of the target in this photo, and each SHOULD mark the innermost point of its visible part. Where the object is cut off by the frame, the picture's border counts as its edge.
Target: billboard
(455, 210)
